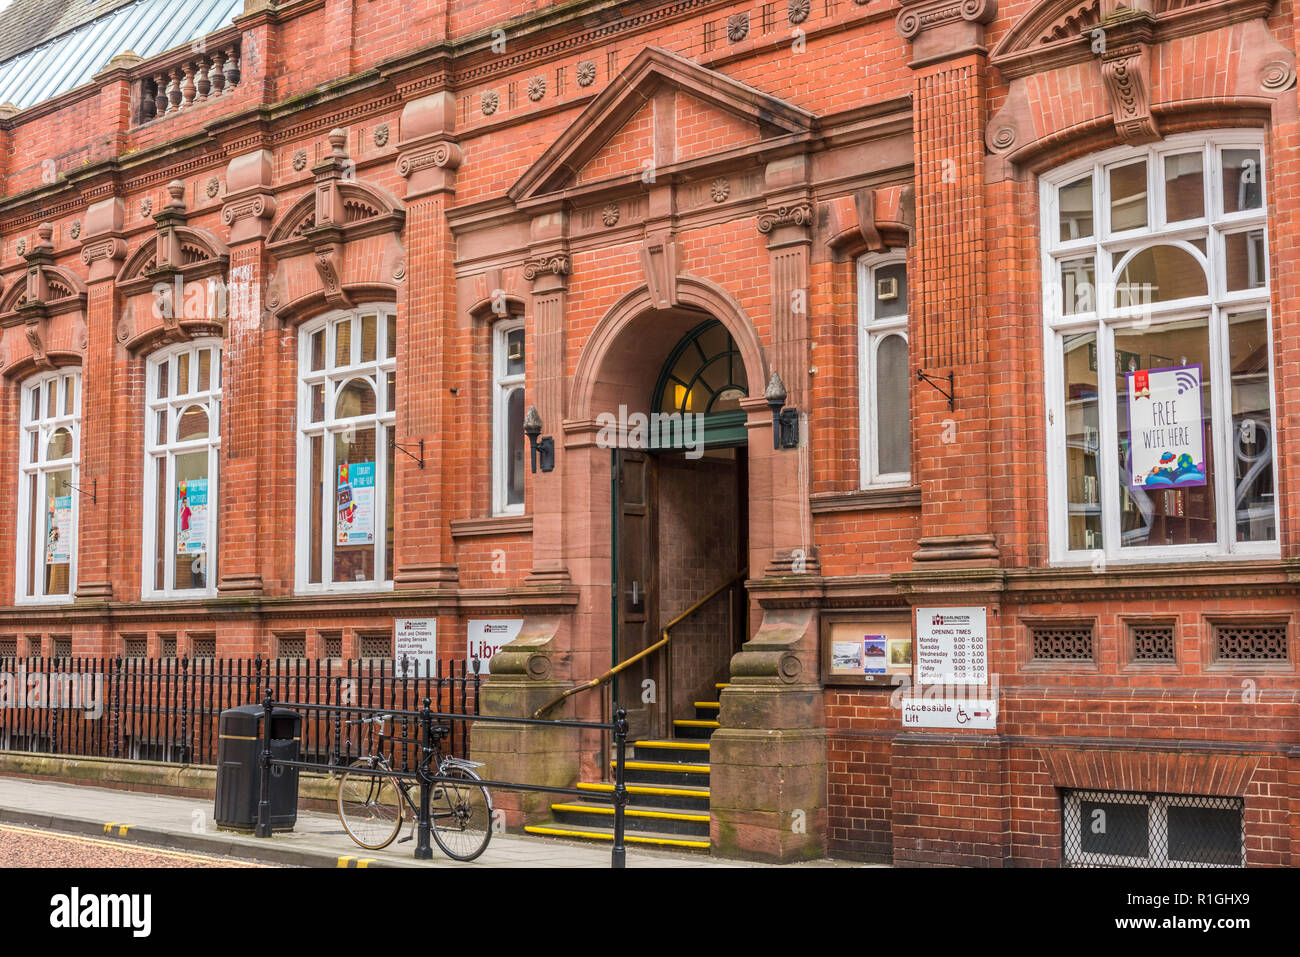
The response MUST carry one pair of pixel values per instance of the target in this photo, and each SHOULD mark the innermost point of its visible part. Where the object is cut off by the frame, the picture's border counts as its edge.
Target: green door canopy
(704, 375)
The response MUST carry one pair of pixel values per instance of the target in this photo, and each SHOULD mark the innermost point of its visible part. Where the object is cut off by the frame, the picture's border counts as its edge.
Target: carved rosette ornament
(536, 87)
(381, 135)
(146, 208)
(299, 160)
(737, 27)
(610, 214)
(586, 73)
(489, 102)
(556, 264)
(720, 189)
(75, 231)
(213, 187)
(797, 10)
(799, 214)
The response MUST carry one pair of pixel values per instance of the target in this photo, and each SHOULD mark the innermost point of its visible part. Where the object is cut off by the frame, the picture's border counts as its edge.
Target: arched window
(696, 401)
(48, 476)
(182, 453)
(1156, 301)
(509, 446)
(885, 412)
(347, 389)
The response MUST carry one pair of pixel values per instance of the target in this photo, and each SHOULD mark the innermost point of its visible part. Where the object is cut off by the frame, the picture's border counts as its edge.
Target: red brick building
(278, 290)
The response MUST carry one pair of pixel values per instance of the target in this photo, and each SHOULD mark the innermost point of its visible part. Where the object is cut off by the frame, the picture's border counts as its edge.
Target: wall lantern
(785, 422)
(541, 448)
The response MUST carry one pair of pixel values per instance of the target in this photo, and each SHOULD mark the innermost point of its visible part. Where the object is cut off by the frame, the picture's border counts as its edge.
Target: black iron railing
(167, 709)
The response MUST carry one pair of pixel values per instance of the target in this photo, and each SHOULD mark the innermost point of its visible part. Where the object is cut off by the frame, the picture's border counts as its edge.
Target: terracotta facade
(616, 177)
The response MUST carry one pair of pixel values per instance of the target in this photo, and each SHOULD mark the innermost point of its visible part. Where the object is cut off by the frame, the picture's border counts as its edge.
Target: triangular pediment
(665, 110)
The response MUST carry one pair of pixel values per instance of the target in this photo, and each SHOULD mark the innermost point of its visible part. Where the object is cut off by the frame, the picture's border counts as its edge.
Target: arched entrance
(680, 529)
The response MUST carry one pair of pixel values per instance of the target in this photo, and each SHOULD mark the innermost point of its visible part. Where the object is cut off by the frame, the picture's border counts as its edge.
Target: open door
(639, 689)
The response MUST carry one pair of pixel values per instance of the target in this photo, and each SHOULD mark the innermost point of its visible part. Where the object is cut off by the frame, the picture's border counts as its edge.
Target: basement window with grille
(8, 647)
(292, 646)
(135, 646)
(62, 647)
(1260, 642)
(203, 647)
(375, 646)
(1125, 829)
(332, 644)
(1071, 643)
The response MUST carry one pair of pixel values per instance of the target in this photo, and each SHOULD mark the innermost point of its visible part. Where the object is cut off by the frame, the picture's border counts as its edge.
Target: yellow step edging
(632, 812)
(696, 723)
(708, 704)
(674, 745)
(722, 684)
(661, 766)
(645, 789)
(627, 838)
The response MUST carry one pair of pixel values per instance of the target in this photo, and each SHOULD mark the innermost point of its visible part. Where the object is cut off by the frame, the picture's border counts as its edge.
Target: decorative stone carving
(737, 27)
(799, 214)
(20, 247)
(586, 73)
(1124, 71)
(489, 101)
(399, 270)
(75, 230)
(256, 207)
(112, 248)
(557, 264)
(328, 260)
(797, 10)
(926, 14)
(536, 87)
(610, 214)
(299, 160)
(213, 187)
(381, 135)
(720, 189)
(444, 155)
(146, 208)
(1277, 75)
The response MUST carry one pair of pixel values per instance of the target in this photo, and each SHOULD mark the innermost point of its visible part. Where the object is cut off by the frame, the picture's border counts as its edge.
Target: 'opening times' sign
(952, 646)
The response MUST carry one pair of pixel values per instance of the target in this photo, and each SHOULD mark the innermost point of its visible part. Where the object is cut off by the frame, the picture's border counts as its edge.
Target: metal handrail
(622, 666)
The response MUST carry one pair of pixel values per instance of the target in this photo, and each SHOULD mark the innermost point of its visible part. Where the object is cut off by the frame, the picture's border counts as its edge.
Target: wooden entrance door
(639, 689)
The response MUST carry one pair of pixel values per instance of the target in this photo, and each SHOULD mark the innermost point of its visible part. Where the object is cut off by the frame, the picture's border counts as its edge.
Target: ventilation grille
(1251, 643)
(375, 646)
(292, 646)
(205, 647)
(168, 645)
(62, 647)
(135, 647)
(1062, 644)
(1153, 642)
(332, 645)
(8, 647)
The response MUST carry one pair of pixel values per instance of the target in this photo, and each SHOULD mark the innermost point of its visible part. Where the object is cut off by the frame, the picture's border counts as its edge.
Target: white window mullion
(1108, 440)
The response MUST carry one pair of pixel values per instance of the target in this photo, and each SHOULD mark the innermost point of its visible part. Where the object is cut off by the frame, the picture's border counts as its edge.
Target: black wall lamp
(785, 422)
(543, 449)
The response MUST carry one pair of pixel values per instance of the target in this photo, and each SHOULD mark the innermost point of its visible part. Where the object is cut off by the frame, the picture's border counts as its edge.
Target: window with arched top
(884, 406)
(1159, 376)
(347, 390)
(182, 455)
(509, 445)
(48, 475)
(703, 374)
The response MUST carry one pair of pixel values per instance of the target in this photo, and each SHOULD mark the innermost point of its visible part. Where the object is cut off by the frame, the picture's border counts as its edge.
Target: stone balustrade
(190, 82)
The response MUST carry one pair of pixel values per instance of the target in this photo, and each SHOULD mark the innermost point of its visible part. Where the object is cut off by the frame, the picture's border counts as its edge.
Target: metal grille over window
(293, 646)
(1251, 643)
(333, 645)
(134, 647)
(1153, 642)
(375, 646)
(1123, 829)
(167, 645)
(204, 647)
(62, 647)
(1062, 644)
(8, 647)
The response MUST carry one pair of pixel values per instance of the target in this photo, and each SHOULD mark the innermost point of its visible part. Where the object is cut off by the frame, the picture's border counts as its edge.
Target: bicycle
(372, 801)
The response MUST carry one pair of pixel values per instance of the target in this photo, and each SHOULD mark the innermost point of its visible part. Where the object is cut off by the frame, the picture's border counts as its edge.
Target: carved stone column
(949, 304)
(103, 249)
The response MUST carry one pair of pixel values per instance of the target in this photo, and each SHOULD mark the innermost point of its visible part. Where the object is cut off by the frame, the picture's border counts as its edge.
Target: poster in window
(356, 504)
(1167, 442)
(846, 657)
(191, 516)
(873, 654)
(59, 523)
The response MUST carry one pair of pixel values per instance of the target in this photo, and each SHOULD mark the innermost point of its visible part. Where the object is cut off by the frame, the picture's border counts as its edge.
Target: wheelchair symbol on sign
(962, 716)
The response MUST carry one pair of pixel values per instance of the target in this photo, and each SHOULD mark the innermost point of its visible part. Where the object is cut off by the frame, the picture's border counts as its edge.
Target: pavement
(318, 840)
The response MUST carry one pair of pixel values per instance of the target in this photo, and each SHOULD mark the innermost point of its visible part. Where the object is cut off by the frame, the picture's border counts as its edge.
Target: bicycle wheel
(370, 806)
(462, 814)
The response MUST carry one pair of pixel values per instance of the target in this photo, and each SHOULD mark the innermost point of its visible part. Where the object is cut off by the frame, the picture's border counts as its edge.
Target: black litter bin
(239, 767)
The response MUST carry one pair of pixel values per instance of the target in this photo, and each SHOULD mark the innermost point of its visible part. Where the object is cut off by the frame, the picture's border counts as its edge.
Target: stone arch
(610, 364)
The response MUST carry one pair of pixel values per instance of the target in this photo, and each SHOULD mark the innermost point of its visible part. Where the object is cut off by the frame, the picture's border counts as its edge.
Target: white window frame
(169, 449)
(1109, 251)
(43, 426)
(502, 386)
(333, 378)
(1157, 827)
(872, 332)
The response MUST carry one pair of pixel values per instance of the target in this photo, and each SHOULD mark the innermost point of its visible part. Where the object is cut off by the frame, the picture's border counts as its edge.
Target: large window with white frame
(508, 448)
(1158, 352)
(885, 414)
(182, 453)
(347, 396)
(48, 480)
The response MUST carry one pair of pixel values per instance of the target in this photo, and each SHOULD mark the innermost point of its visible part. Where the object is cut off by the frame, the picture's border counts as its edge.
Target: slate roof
(50, 46)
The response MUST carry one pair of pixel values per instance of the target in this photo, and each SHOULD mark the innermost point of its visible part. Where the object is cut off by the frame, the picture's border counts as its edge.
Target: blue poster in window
(58, 543)
(1166, 438)
(191, 516)
(356, 504)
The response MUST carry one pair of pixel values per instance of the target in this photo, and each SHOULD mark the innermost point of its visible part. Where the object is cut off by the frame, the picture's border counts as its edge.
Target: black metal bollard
(618, 857)
(264, 792)
(423, 849)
